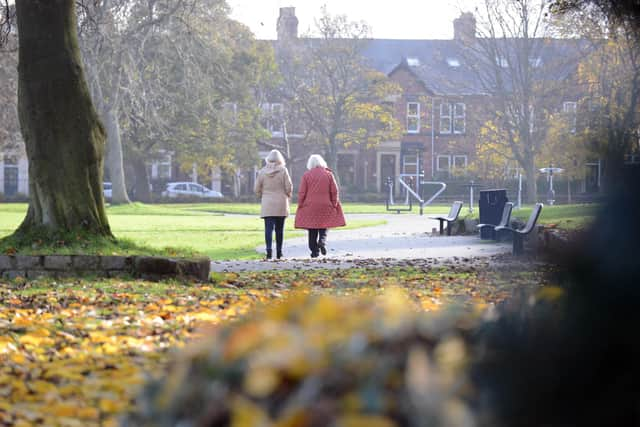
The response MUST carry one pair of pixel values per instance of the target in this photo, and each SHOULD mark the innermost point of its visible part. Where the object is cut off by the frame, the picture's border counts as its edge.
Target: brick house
(442, 106)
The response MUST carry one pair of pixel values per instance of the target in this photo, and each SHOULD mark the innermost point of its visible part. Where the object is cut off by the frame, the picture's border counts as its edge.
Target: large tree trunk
(531, 184)
(141, 180)
(63, 135)
(331, 157)
(114, 159)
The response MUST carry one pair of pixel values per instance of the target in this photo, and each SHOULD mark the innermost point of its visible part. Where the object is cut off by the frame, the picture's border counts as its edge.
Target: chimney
(287, 24)
(464, 27)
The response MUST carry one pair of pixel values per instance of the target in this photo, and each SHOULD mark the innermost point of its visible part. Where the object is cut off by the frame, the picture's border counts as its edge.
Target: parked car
(106, 190)
(189, 189)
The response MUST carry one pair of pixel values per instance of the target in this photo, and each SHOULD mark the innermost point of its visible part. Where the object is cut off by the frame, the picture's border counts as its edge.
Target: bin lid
(494, 190)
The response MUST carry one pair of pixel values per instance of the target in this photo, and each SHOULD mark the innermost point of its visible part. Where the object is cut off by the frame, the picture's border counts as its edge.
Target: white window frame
(158, 167)
(415, 117)
(277, 110)
(535, 62)
(269, 111)
(449, 117)
(459, 116)
(571, 108)
(443, 156)
(231, 109)
(460, 156)
(501, 61)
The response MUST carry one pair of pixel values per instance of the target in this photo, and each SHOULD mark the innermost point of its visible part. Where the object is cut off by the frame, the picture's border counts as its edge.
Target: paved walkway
(403, 237)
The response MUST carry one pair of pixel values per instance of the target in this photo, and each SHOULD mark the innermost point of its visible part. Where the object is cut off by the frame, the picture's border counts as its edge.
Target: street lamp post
(551, 194)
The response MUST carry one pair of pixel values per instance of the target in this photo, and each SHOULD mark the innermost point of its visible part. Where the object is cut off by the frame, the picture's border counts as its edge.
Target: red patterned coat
(318, 201)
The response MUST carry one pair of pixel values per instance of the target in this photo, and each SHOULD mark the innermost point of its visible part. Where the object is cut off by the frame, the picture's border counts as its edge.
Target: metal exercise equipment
(410, 193)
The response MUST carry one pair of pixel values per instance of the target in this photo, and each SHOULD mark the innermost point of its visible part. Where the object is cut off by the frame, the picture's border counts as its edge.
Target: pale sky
(392, 19)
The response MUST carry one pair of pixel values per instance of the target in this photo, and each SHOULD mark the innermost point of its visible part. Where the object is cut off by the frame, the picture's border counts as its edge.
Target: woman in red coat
(318, 204)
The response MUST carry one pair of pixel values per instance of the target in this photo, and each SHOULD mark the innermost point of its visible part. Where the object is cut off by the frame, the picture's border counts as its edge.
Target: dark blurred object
(572, 361)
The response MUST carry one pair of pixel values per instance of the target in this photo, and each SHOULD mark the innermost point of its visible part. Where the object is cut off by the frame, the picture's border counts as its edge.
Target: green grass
(174, 230)
(564, 216)
(254, 208)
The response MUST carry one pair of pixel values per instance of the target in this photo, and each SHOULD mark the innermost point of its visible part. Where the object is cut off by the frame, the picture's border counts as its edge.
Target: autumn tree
(201, 77)
(340, 99)
(609, 76)
(523, 82)
(111, 38)
(565, 145)
(63, 136)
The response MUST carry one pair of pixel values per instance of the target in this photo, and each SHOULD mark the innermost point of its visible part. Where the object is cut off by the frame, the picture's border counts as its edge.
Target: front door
(387, 170)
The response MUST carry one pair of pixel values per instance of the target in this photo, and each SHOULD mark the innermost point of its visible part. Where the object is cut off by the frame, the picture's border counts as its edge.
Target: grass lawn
(564, 216)
(176, 230)
(349, 208)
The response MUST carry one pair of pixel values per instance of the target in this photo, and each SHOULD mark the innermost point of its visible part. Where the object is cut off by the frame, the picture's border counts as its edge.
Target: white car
(189, 189)
(106, 190)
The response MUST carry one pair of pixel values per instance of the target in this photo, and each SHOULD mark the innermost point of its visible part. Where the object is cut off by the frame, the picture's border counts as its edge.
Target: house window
(161, 169)
(460, 163)
(410, 164)
(443, 163)
(502, 61)
(570, 109)
(453, 62)
(532, 119)
(445, 118)
(272, 117)
(346, 169)
(11, 175)
(535, 62)
(413, 117)
(230, 113)
(459, 119)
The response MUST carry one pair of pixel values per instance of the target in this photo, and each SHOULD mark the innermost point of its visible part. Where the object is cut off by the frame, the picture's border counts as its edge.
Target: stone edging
(147, 267)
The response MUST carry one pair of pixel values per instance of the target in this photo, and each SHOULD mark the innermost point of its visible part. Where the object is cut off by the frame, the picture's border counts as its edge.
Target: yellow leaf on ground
(359, 420)
(245, 413)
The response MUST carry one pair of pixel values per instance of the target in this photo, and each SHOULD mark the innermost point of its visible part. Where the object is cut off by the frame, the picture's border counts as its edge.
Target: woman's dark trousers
(317, 240)
(271, 224)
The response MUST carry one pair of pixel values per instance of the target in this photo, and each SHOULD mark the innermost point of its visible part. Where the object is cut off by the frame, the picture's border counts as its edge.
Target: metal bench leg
(448, 228)
(518, 244)
(441, 227)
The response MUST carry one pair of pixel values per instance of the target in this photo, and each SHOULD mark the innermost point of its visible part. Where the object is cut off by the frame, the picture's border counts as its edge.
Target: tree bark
(532, 186)
(115, 162)
(63, 136)
(141, 180)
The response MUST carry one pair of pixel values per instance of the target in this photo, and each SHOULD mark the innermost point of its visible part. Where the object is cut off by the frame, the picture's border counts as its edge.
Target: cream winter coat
(274, 186)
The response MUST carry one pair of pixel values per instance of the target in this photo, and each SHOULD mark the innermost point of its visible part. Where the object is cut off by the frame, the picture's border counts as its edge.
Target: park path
(404, 237)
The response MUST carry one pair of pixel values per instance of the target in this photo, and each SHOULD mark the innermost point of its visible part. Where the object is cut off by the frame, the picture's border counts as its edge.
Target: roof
(448, 67)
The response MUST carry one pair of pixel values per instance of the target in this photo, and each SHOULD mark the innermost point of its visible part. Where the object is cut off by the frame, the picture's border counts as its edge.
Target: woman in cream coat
(273, 186)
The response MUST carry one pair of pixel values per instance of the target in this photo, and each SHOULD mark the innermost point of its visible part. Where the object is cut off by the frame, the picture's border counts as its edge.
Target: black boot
(279, 254)
(269, 254)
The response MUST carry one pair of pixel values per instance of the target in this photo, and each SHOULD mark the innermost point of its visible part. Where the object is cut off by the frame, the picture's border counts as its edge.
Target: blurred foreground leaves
(77, 352)
(319, 361)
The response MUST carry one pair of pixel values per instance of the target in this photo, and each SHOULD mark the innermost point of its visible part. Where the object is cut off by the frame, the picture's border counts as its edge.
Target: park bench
(453, 215)
(504, 221)
(519, 235)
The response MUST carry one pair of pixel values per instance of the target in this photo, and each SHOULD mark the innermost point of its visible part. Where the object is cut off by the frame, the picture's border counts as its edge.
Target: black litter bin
(491, 204)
